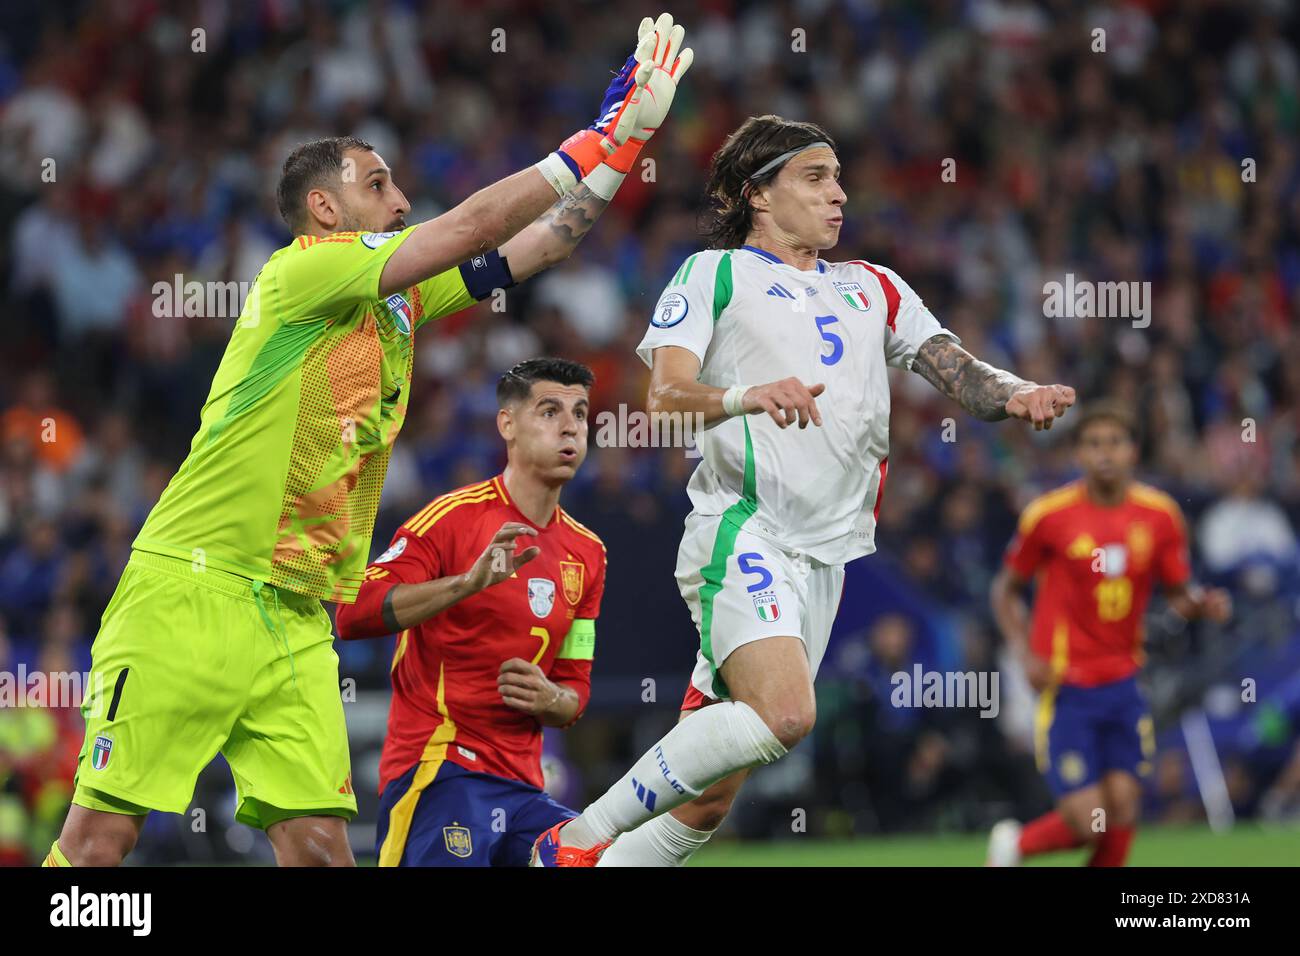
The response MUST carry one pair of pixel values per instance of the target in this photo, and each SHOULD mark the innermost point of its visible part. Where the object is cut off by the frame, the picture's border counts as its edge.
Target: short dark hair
(516, 384)
(310, 166)
(1106, 410)
(758, 141)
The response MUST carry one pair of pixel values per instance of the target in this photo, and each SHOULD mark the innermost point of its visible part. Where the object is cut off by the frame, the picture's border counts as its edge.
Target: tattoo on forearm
(976, 386)
(574, 214)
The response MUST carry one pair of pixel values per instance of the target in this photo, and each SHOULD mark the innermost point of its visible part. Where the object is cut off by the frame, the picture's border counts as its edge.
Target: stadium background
(1122, 165)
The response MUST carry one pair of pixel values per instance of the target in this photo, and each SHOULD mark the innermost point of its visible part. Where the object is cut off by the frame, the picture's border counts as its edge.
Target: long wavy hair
(760, 139)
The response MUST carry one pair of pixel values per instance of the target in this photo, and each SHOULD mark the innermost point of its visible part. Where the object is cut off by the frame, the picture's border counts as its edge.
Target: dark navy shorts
(461, 818)
(1082, 732)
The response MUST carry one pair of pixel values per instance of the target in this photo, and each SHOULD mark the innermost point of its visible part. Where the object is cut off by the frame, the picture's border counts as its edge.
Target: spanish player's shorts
(742, 588)
(1082, 732)
(190, 662)
(440, 814)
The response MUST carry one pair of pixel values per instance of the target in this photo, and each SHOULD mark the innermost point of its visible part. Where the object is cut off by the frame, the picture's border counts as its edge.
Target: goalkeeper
(215, 640)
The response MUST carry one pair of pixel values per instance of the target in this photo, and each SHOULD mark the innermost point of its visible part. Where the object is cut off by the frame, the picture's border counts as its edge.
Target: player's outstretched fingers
(1042, 411)
(503, 542)
(808, 406)
(1064, 399)
(675, 37)
(509, 531)
(789, 410)
(1053, 405)
(795, 399)
(682, 65)
(1027, 405)
(813, 392)
(526, 555)
(798, 401)
(663, 30)
(772, 408)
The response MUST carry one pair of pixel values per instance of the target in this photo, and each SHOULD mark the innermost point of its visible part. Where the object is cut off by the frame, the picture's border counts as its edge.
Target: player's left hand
(1038, 672)
(660, 67)
(1216, 605)
(1040, 404)
(524, 687)
(636, 101)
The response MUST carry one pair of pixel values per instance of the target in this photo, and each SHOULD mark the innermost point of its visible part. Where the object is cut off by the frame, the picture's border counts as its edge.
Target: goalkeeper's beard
(351, 222)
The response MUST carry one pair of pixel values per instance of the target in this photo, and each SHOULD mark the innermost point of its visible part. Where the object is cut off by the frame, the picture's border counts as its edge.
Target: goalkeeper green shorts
(191, 662)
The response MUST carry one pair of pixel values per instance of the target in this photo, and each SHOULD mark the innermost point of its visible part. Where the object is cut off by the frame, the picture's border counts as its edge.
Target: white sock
(663, 841)
(699, 751)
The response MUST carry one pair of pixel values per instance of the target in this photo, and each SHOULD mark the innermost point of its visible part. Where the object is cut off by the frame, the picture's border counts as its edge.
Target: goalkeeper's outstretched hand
(636, 101)
(659, 69)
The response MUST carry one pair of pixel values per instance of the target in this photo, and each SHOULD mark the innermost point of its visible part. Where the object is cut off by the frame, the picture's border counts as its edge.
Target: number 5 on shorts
(750, 563)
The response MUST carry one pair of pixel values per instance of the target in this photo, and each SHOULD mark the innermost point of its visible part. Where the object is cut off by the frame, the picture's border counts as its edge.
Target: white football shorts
(742, 588)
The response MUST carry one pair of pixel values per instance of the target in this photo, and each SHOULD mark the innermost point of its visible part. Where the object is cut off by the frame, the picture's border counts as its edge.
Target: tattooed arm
(986, 392)
(554, 235)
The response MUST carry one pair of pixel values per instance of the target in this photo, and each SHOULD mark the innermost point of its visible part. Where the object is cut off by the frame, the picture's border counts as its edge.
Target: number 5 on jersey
(836, 343)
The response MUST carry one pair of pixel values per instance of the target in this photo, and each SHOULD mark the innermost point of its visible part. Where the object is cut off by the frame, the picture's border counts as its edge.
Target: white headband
(777, 161)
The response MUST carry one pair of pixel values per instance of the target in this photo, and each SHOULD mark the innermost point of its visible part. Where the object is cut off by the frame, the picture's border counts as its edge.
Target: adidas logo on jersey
(780, 291)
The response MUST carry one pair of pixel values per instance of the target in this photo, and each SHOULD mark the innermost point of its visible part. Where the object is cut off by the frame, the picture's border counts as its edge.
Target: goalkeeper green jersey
(283, 478)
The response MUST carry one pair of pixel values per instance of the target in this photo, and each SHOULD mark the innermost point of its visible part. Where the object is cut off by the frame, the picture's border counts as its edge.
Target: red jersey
(1095, 568)
(445, 703)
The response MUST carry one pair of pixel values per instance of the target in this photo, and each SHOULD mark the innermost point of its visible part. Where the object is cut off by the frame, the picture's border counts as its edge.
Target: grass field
(1194, 846)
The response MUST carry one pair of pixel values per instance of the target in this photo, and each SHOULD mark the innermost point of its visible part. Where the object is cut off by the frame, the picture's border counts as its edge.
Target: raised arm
(988, 393)
(674, 387)
(585, 172)
(554, 236)
(481, 223)
(654, 73)
(384, 608)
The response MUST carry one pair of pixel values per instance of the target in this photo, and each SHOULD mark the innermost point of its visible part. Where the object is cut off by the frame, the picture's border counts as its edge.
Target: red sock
(1049, 832)
(1112, 847)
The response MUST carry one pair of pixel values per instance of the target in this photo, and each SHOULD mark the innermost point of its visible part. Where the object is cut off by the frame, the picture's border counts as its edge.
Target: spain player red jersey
(445, 703)
(1095, 569)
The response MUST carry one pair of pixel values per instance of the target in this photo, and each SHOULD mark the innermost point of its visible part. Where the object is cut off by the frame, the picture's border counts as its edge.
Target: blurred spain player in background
(757, 334)
(215, 639)
(1095, 550)
(493, 644)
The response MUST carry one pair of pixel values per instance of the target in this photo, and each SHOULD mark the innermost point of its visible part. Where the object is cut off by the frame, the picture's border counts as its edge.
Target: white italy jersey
(752, 319)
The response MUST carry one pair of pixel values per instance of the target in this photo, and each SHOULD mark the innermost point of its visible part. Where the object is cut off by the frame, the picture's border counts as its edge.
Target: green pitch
(1165, 846)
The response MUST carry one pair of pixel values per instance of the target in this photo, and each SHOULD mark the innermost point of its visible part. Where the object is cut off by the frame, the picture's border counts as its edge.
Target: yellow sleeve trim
(436, 503)
(1157, 499)
(1041, 507)
(582, 529)
(434, 516)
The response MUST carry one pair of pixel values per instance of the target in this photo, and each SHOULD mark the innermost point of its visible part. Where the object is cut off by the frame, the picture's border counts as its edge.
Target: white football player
(758, 334)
